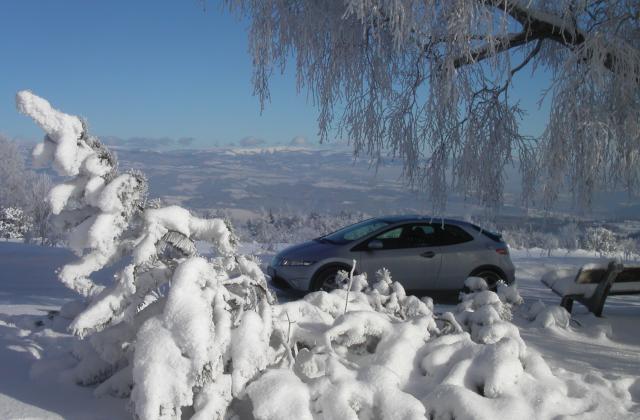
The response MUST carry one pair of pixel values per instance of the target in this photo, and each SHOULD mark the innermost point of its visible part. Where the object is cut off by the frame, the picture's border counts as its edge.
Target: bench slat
(628, 275)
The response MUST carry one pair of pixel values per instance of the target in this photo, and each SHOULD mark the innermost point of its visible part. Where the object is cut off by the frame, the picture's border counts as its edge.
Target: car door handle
(428, 254)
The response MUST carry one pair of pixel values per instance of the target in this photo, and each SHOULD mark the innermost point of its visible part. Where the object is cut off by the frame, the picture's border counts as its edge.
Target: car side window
(363, 230)
(418, 235)
(390, 234)
(452, 235)
(408, 236)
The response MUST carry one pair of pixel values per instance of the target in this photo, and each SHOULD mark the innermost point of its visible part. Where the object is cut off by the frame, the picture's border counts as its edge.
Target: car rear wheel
(327, 278)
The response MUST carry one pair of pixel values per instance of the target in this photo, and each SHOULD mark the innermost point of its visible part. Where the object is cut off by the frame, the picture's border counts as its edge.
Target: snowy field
(34, 348)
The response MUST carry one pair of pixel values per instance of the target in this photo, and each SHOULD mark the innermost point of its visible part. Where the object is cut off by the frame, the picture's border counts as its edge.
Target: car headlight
(275, 260)
(286, 262)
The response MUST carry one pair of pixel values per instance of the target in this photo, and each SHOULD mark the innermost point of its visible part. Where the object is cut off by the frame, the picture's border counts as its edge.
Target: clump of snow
(280, 395)
(544, 316)
(476, 284)
(509, 294)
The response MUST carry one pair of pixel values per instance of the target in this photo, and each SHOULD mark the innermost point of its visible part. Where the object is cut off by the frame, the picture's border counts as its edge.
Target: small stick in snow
(353, 268)
(288, 328)
(289, 354)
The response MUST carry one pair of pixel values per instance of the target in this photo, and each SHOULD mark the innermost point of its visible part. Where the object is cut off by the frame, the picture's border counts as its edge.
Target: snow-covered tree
(172, 321)
(550, 242)
(431, 82)
(629, 248)
(12, 175)
(38, 209)
(601, 240)
(569, 236)
(24, 189)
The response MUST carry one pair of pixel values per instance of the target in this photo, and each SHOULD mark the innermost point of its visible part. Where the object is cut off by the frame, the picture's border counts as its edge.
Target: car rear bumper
(510, 273)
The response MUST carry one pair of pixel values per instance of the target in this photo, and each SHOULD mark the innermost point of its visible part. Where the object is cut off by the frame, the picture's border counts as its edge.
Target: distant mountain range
(244, 180)
(323, 180)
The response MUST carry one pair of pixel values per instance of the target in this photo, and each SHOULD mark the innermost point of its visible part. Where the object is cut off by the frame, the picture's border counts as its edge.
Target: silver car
(425, 255)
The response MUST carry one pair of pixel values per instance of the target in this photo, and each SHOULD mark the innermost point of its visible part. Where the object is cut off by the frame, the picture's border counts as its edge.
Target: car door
(408, 252)
(459, 252)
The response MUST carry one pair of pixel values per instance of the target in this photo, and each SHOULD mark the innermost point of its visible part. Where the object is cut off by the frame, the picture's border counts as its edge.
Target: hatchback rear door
(460, 255)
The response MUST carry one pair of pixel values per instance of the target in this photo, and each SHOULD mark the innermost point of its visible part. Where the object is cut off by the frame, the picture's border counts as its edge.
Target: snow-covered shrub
(486, 314)
(629, 248)
(378, 361)
(544, 316)
(14, 223)
(171, 323)
(601, 240)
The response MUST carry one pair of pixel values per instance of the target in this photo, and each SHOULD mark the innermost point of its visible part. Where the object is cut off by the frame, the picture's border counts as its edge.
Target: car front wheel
(327, 278)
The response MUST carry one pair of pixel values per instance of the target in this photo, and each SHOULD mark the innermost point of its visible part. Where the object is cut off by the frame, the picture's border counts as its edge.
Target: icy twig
(353, 269)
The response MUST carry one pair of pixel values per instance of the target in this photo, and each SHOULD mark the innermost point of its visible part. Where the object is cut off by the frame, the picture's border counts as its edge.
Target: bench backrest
(591, 275)
(625, 282)
(628, 275)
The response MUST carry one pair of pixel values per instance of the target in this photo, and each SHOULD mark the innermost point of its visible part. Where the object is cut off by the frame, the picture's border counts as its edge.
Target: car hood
(311, 250)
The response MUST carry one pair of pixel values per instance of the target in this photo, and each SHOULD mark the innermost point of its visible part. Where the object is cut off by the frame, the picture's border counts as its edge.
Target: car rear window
(496, 237)
(452, 235)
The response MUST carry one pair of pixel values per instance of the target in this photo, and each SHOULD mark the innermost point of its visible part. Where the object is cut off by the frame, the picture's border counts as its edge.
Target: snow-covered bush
(14, 223)
(601, 240)
(381, 360)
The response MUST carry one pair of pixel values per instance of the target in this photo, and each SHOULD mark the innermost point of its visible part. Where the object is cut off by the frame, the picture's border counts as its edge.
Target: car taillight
(502, 251)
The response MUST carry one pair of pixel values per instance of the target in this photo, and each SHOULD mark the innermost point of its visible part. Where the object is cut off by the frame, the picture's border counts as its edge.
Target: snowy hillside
(309, 179)
(599, 357)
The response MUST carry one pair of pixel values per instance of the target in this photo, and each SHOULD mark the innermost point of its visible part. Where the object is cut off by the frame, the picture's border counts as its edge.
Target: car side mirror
(375, 244)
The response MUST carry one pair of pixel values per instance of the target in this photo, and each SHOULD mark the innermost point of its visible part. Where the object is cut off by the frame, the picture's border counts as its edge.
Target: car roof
(420, 218)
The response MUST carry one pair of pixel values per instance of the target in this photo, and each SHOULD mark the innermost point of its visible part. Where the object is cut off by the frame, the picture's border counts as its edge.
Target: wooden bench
(593, 284)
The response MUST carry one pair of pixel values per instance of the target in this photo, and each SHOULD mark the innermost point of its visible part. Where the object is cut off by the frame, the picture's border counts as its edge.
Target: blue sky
(152, 69)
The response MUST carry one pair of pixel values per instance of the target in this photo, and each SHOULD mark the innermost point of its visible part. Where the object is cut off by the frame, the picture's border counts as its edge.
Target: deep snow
(34, 349)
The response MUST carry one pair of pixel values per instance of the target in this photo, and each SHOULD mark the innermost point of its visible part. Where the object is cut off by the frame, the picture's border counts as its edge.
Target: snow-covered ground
(34, 348)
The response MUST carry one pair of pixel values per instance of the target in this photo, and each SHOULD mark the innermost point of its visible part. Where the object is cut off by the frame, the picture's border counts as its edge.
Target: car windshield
(354, 232)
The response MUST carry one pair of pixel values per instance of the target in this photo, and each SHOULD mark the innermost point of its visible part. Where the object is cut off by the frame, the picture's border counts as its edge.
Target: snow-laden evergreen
(163, 327)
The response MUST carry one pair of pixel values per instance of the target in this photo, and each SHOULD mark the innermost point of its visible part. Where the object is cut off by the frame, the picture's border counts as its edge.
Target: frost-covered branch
(399, 79)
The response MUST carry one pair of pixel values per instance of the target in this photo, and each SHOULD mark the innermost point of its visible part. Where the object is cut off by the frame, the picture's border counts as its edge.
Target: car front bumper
(297, 278)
